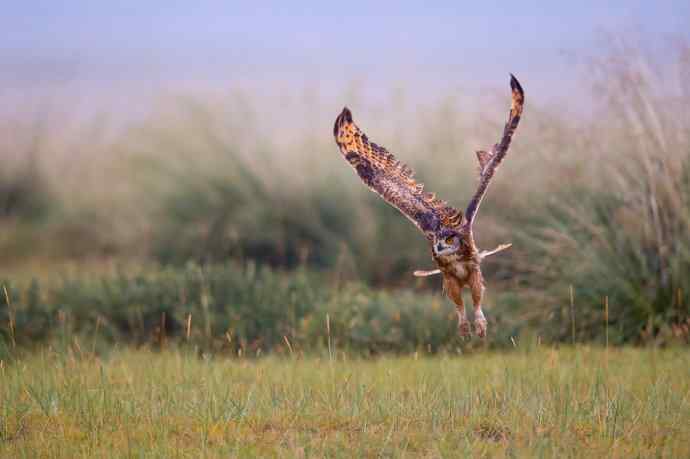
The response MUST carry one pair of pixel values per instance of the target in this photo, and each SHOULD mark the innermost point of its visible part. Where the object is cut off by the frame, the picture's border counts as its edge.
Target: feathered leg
(477, 288)
(454, 290)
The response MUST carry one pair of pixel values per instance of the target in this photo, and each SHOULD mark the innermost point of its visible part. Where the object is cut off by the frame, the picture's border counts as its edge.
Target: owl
(447, 230)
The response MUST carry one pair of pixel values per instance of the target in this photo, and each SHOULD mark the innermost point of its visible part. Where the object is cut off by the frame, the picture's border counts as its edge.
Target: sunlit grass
(570, 402)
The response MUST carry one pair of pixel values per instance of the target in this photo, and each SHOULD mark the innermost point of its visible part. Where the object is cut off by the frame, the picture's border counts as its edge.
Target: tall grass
(620, 229)
(216, 196)
(601, 204)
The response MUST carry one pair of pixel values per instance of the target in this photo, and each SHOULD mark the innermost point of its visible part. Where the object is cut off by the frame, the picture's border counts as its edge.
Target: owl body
(447, 229)
(456, 268)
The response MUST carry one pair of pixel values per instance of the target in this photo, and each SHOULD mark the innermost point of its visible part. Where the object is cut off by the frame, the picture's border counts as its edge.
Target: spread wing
(391, 179)
(489, 161)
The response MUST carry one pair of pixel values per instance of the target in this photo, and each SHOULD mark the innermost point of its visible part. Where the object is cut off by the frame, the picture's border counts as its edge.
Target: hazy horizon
(118, 58)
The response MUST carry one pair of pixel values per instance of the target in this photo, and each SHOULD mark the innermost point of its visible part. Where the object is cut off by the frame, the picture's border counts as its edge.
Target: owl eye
(450, 240)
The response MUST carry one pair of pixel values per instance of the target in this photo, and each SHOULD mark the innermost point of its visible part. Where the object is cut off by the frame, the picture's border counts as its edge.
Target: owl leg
(477, 288)
(454, 290)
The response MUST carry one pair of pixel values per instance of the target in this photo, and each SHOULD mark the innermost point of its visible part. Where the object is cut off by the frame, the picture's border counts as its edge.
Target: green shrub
(231, 309)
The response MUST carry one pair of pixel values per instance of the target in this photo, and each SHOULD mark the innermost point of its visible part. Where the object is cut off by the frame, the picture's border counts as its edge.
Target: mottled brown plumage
(391, 179)
(448, 231)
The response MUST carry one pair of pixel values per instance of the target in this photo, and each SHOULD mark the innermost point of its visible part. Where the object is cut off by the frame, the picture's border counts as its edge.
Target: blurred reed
(602, 204)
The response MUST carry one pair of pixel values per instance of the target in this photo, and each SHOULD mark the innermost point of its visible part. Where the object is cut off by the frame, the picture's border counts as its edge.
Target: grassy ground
(569, 402)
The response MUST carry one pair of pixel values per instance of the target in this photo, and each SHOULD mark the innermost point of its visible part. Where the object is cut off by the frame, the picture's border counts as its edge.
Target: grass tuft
(552, 402)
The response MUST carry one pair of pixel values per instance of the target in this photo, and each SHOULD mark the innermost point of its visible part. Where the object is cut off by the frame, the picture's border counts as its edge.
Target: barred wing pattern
(391, 179)
(489, 161)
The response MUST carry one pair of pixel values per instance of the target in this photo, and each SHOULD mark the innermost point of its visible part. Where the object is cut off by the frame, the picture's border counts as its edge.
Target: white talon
(480, 323)
(463, 326)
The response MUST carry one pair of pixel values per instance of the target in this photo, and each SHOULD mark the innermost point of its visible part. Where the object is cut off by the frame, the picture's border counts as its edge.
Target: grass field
(213, 280)
(541, 402)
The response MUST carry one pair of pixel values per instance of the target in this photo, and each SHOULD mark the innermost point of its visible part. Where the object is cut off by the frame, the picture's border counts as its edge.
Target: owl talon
(480, 325)
(464, 329)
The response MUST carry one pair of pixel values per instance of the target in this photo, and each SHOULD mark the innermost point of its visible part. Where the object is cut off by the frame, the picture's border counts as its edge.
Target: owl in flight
(448, 231)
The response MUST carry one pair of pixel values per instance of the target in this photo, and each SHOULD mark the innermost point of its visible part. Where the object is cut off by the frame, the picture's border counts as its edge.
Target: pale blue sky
(329, 42)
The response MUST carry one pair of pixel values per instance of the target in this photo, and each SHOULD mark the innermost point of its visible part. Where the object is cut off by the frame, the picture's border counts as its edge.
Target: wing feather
(489, 161)
(391, 179)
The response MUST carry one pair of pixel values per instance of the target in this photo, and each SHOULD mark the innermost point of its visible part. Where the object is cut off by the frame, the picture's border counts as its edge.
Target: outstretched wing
(391, 179)
(489, 161)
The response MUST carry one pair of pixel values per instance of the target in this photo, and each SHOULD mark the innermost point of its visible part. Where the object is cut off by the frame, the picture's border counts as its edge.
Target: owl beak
(439, 247)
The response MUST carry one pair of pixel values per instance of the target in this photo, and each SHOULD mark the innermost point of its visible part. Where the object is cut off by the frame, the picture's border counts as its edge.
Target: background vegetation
(196, 210)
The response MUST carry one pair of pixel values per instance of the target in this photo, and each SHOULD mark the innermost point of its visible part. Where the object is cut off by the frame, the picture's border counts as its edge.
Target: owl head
(446, 242)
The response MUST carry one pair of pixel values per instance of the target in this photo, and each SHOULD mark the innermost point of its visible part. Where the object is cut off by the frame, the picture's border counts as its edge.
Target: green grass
(283, 239)
(543, 402)
(227, 308)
